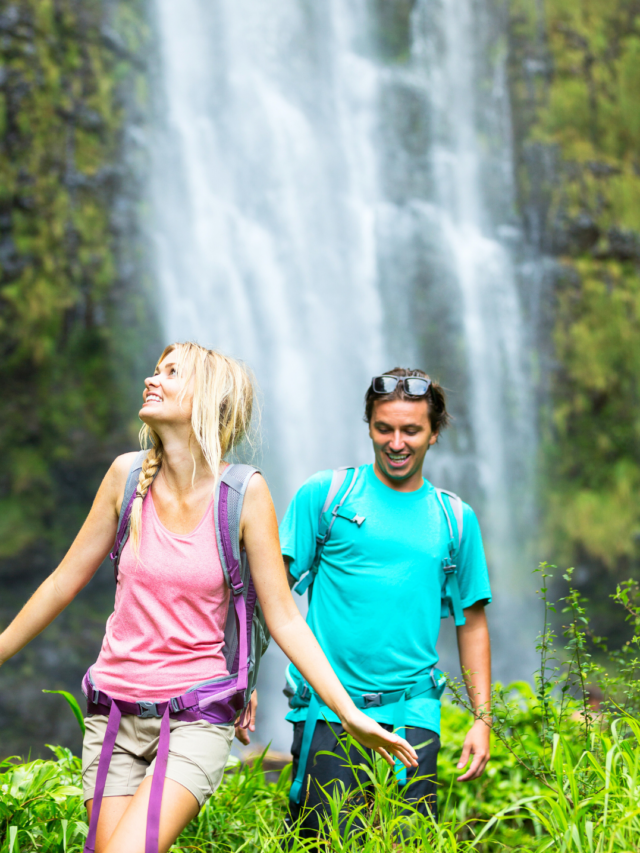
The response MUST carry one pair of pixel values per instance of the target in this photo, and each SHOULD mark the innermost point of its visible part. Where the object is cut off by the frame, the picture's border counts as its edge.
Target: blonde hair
(223, 402)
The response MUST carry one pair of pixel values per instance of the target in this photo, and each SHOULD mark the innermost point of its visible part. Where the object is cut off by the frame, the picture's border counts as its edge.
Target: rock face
(575, 82)
(74, 328)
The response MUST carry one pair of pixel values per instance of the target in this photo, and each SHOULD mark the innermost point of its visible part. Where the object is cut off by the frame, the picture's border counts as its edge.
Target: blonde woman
(166, 636)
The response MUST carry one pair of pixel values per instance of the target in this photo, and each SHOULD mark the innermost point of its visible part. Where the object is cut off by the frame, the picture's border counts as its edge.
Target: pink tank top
(166, 632)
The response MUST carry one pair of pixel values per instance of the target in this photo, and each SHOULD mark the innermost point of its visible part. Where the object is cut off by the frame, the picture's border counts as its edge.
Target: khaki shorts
(198, 753)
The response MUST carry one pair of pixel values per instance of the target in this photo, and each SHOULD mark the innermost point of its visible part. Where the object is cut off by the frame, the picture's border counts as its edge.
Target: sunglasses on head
(414, 386)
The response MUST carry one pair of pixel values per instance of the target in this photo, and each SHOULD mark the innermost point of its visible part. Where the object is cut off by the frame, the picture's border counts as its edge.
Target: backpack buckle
(305, 692)
(437, 682)
(147, 710)
(95, 695)
(237, 590)
(447, 569)
(372, 700)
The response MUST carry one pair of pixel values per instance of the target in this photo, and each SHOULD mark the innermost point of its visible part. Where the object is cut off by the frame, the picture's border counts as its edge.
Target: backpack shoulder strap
(230, 493)
(453, 511)
(342, 482)
(122, 532)
(455, 505)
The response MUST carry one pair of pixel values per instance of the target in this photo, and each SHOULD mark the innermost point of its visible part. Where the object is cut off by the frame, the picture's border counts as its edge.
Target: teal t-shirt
(375, 607)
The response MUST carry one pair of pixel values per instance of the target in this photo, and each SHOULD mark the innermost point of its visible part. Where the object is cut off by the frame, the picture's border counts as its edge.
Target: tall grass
(561, 777)
(593, 808)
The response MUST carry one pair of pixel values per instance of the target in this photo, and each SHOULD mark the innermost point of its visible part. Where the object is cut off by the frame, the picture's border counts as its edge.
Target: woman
(167, 632)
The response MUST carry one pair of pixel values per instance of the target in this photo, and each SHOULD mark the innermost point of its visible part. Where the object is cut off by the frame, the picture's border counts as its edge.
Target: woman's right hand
(371, 735)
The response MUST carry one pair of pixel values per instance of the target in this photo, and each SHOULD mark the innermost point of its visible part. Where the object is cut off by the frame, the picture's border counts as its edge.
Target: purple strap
(122, 529)
(103, 768)
(237, 588)
(157, 786)
(241, 621)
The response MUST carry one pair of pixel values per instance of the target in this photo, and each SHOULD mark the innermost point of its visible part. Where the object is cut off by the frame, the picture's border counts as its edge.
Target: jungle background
(79, 323)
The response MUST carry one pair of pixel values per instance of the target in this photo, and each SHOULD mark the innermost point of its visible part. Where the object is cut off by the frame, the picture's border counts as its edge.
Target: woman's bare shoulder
(257, 488)
(117, 475)
(122, 464)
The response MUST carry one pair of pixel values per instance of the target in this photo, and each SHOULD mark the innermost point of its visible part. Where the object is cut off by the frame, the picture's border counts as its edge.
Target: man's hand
(476, 744)
(243, 733)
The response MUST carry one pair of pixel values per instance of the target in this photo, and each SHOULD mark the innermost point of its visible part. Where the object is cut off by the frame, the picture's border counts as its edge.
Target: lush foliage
(563, 775)
(62, 109)
(576, 92)
(591, 806)
(72, 312)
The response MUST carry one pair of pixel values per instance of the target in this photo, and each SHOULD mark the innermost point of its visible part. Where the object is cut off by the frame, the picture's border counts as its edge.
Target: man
(386, 555)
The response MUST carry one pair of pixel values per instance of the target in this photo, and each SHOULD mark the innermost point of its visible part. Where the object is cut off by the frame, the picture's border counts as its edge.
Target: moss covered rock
(575, 72)
(75, 326)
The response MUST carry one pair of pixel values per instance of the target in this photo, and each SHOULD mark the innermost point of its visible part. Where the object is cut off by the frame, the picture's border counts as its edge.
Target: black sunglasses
(414, 386)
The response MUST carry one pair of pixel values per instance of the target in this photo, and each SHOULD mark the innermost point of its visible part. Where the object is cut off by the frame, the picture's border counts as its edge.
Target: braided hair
(150, 467)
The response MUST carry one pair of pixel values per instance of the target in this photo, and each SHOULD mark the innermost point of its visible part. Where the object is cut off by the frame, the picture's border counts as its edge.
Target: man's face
(401, 434)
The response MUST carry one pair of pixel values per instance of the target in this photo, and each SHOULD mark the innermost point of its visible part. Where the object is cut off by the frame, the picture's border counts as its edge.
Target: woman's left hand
(242, 733)
(371, 734)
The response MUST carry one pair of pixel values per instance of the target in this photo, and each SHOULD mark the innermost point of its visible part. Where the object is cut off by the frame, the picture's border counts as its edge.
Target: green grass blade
(73, 704)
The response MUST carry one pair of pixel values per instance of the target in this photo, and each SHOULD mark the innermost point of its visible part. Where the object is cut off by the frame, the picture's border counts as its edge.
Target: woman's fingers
(385, 755)
(402, 749)
(372, 735)
(406, 753)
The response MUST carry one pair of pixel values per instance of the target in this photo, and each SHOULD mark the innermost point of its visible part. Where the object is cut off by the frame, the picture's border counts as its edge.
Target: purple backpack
(220, 700)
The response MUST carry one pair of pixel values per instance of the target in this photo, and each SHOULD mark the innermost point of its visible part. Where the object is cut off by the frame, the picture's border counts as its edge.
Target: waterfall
(330, 196)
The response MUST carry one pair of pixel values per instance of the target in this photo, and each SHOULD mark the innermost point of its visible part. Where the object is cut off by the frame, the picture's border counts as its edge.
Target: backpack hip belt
(218, 701)
(430, 686)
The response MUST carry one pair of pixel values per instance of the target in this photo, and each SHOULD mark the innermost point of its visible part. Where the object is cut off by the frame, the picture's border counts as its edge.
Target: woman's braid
(150, 466)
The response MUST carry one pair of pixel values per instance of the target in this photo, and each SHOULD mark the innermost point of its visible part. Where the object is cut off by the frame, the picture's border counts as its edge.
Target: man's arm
(290, 577)
(474, 648)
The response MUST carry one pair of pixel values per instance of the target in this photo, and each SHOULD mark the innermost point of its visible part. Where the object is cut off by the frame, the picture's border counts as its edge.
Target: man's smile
(397, 460)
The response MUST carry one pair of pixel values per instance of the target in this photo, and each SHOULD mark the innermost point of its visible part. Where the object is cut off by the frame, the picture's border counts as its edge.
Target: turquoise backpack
(430, 686)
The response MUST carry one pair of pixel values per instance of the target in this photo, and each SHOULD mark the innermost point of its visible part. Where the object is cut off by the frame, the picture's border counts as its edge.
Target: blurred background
(325, 191)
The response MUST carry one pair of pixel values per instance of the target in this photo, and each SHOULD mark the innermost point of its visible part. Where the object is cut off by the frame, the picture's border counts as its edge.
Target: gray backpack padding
(237, 478)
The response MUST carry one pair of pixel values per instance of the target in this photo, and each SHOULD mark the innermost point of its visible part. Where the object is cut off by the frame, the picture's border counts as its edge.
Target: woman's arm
(91, 546)
(259, 533)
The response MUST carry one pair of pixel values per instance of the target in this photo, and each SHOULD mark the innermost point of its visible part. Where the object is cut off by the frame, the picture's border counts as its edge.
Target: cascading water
(320, 209)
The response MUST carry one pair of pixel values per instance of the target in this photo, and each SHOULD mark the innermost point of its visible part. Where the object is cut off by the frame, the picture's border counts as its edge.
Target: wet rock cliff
(75, 322)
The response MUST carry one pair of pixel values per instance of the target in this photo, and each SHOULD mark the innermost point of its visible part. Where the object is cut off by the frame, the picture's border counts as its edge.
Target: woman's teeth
(153, 398)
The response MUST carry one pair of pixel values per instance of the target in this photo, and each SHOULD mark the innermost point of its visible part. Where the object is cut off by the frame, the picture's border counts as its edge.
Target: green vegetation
(562, 775)
(575, 73)
(593, 806)
(73, 330)
(62, 305)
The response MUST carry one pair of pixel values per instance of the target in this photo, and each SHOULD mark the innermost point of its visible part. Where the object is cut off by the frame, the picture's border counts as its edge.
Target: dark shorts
(324, 769)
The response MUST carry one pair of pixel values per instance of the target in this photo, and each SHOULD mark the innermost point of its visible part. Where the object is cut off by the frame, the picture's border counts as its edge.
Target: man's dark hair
(435, 397)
